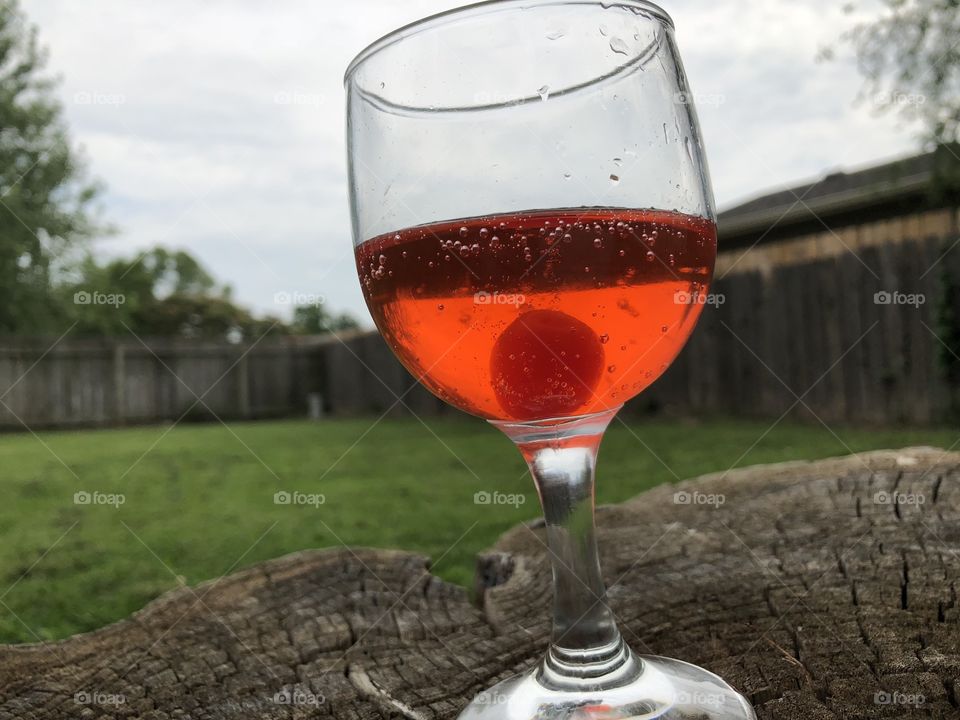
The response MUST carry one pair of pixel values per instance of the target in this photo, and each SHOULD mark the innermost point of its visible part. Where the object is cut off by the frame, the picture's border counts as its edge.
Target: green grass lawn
(199, 499)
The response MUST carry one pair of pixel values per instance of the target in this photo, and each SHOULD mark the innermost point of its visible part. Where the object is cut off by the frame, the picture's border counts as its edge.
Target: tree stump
(820, 590)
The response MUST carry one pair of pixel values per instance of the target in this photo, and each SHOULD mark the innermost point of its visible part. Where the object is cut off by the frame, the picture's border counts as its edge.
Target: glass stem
(586, 649)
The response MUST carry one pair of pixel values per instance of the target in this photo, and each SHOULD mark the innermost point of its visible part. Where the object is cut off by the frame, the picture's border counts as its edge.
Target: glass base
(661, 688)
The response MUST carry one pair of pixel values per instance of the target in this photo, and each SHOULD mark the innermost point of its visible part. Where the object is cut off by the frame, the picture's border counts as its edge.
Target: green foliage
(203, 316)
(315, 320)
(159, 293)
(910, 59)
(45, 199)
(169, 293)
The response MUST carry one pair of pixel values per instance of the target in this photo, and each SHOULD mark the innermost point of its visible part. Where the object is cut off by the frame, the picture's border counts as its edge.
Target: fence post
(243, 386)
(119, 383)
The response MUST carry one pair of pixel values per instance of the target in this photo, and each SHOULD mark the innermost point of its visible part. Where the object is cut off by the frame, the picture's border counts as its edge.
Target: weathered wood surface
(808, 591)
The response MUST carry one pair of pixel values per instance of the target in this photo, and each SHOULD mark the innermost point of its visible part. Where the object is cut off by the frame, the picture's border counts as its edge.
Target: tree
(158, 293)
(204, 316)
(45, 198)
(910, 59)
(315, 320)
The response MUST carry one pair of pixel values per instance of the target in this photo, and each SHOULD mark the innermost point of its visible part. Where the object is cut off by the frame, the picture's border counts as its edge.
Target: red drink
(543, 314)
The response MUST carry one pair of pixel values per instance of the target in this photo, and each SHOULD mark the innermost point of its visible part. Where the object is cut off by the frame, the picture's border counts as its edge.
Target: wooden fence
(860, 338)
(816, 340)
(115, 382)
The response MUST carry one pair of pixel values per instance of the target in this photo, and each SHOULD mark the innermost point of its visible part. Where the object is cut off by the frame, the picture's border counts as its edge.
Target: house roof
(833, 193)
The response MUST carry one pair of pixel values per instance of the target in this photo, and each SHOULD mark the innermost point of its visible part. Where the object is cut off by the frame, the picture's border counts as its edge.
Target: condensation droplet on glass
(604, 339)
(650, 256)
(484, 233)
(611, 368)
(664, 328)
(618, 46)
(686, 146)
(603, 30)
(567, 176)
(555, 35)
(544, 92)
(615, 179)
(440, 306)
(464, 232)
(618, 161)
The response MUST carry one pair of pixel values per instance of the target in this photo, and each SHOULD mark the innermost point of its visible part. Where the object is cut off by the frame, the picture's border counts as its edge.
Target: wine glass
(535, 233)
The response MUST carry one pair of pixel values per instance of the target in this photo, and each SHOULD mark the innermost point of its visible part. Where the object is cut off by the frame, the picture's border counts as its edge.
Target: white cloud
(228, 140)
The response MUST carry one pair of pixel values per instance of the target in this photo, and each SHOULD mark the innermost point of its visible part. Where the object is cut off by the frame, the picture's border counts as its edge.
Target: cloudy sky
(217, 127)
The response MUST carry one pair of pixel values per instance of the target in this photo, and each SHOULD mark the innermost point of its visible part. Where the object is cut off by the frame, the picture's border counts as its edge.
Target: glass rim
(430, 21)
